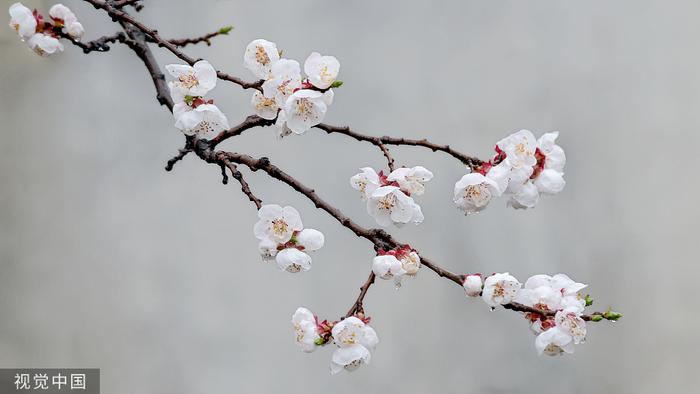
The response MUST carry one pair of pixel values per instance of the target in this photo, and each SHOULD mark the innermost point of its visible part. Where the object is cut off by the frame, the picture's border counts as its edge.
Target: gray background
(110, 262)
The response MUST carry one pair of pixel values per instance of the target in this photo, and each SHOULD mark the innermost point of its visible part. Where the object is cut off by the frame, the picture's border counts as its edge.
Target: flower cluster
(354, 338)
(389, 197)
(396, 263)
(41, 35)
(297, 103)
(557, 332)
(523, 168)
(193, 114)
(283, 238)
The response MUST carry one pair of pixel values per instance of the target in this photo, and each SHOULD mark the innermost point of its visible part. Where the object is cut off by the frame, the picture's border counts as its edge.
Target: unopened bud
(225, 29)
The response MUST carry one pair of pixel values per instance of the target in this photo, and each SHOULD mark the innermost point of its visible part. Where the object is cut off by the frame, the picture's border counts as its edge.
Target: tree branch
(205, 38)
(98, 45)
(136, 38)
(119, 15)
(357, 307)
(225, 163)
(250, 122)
(134, 3)
(380, 238)
(471, 162)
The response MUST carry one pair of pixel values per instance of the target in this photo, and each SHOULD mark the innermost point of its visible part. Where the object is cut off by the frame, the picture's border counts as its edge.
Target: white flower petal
(293, 260)
(259, 57)
(310, 239)
(321, 70)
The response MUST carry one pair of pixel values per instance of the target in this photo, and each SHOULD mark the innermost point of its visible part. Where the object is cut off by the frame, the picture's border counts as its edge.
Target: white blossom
(304, 109)
(569, 320)
(355, 341)
(552, 293)
(196, 80)
(554, 342)
(500, 174)
(44, 45)
(527, 196)
(555, 158)
(366, 182)
(281, 125)
(277, 223)
(267, 249)
(259, 57)
(500, 289)
(474, 191)
(284, 79)
(305, 329)
(387, 266)
(472, 285)
(202, 120)
(410, 262)
(550, 179)
(310, 239)
(388, 204)
(293, 260)
(66, 19)
(321, 70)
(22, 20)
(264, 107)
(520, 150)
(328, 97)
(411, 180)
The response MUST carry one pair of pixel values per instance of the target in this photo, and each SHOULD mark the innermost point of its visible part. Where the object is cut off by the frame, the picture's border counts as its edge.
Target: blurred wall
(108, 261)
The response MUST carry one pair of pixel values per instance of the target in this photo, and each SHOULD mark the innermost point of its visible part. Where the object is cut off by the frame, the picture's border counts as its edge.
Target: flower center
(353, 365)
(479, 195)
(499, 290)
(279, 227)
(362, 185)
(347, 336)
(265, 103)
(304, 107)
(387, 202)
(205, 127)
(261, 55)
(411, 263)
(188, 80)
(284, 87)
(299, 332)
(552, 349)
(325, 75)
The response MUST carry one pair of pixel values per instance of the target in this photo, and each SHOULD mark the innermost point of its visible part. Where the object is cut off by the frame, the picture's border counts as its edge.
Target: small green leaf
(225, 29)
(596, 318)
(319, 342)
(589, 300)
(337, 84)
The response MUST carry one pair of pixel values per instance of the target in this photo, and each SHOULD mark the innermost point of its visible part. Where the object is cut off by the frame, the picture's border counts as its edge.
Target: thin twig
(250, 122)
(245, 188)
(180, 155)
(358, 305)
(120, 15)
(472, 162)
(181, 42)
(98, 45)
(134, 3)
